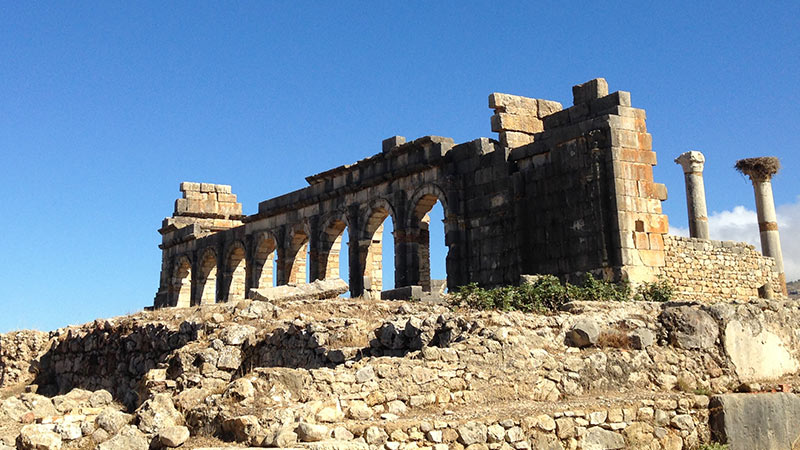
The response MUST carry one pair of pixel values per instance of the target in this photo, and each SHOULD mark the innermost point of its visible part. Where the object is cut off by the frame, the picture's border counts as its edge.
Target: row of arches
(333, 249)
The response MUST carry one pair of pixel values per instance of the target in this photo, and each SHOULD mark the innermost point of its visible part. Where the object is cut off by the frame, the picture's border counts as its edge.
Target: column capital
(691, 161)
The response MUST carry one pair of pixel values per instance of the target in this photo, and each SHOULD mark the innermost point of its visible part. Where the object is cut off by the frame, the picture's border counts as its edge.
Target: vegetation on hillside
(546, 294)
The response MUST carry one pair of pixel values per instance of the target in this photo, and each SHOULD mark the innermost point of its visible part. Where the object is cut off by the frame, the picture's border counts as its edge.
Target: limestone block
(583, 334)
(513, 103)
(319, 289)
(514, 139)
(38, 437)
(187, 186)
(173, 436)
(757, 354)
(689, 327)
(308, 432)
(597, 438)
(392, 143)
(768, 421)
(157, 413)
(547, 107)
(590, 90)
(526, 123)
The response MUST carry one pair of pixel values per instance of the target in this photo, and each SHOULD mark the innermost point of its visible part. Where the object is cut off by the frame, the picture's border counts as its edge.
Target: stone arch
(263, 260)
(296, 259)
(371, 246)
(330, 243)
(236, 272)
(181, 285)
(207, 278)
(421, 202)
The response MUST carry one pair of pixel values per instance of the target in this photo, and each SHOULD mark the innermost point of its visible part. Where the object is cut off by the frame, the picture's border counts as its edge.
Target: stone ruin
(563, 191)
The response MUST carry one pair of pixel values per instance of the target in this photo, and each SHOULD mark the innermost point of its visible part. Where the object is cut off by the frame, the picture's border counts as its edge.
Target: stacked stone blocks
(565, 192)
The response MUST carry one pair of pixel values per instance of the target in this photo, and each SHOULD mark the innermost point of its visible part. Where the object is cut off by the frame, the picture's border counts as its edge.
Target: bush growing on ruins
(544, 294)
(593, 289)
(658, 291)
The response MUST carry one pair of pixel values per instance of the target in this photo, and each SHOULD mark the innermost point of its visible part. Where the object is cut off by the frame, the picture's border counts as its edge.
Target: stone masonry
(564, 191)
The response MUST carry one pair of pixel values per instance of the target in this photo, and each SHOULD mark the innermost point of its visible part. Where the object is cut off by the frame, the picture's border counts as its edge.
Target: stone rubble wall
(109, 356)
(19, 353)
(621, 373)
(706, 270)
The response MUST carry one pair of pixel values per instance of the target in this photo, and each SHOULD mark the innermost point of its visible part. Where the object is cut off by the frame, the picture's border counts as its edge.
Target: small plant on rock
(658, 291)
(713, 446)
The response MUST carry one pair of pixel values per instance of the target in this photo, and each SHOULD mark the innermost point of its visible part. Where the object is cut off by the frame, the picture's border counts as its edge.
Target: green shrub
(658, 291)
(713, 446)
(545, 294)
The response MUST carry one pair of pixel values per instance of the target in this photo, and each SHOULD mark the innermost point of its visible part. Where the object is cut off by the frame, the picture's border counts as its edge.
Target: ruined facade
(561, 191)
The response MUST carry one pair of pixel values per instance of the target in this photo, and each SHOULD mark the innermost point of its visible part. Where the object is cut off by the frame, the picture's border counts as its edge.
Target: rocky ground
(358, 374)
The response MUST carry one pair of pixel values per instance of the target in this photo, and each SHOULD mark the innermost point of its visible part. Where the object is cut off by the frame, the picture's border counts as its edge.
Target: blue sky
(107, 106)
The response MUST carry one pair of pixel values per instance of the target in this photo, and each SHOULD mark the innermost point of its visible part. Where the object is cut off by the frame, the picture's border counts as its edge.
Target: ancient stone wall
(707, 270)
(400, 372)
(588, 200)
(564, 192)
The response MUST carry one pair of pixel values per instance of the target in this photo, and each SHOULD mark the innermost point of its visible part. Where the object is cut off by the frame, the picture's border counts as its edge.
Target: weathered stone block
(756, 421)
(513, 103)
(391, 143)
(527, 123)
(590, 90)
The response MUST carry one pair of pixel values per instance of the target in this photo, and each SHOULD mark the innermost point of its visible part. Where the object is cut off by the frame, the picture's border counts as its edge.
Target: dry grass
(763, 167)
(614, 339)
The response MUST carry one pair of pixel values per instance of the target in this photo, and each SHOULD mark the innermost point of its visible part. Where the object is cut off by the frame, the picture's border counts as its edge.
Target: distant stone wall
(708, 270)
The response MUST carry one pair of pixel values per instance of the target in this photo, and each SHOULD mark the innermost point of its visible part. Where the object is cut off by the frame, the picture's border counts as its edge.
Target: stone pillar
(692, 163)
(355, 270)
(760, 171)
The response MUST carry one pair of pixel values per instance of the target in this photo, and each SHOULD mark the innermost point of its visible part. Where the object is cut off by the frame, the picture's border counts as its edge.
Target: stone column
(760, 171)
(692, 163)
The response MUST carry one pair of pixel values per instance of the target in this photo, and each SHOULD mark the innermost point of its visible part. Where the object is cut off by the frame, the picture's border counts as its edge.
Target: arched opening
(296, 258)
(431, 251)
(333, 251)
(371, 253)
(237, 274)
(207, 279)
(182, 283)
(264, 262)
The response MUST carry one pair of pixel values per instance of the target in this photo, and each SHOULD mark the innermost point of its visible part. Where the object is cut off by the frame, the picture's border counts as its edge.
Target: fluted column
(760, 171)
(692, 163)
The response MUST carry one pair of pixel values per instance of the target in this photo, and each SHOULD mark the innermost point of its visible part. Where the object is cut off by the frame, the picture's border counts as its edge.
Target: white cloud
(741, 224)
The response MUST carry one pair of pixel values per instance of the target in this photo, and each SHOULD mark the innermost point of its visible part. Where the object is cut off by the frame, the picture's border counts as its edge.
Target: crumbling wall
(19, 355)
(707, 270)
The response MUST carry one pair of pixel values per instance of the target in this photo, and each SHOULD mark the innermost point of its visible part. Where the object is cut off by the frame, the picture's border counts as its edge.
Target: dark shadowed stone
(689, 327)
(583, 334)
